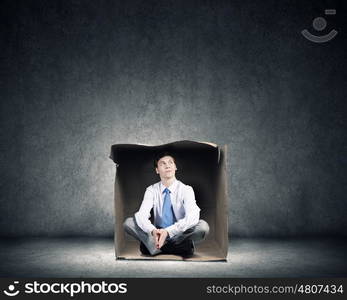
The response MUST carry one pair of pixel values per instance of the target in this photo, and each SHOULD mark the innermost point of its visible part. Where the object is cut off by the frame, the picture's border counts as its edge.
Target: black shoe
(189, 249)
(185, 248)
(144, 249)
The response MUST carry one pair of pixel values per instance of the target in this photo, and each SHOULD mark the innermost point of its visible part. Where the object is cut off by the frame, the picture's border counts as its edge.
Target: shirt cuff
(151, 228)
(171, 230)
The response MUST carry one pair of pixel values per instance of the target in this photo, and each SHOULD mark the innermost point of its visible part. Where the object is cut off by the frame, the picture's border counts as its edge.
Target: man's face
(166, 167)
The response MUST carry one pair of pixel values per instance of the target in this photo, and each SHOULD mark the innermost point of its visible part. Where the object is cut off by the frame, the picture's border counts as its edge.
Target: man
(177, 225)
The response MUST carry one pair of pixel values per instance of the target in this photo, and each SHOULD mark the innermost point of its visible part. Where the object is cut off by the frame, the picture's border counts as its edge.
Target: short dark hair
(161, 155)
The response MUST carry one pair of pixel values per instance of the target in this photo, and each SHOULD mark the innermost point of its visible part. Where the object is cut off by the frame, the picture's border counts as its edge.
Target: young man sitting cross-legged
(177, 224)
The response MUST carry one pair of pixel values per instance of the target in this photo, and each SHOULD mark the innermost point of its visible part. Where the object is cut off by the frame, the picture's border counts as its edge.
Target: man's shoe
(189, 249)
(185, 248)
(144, 249)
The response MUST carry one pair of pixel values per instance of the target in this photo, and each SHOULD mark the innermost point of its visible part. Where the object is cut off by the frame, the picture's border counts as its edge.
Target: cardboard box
(200, 165)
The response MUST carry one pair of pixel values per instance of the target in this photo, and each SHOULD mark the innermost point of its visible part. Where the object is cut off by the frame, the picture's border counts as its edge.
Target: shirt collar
(171, 188)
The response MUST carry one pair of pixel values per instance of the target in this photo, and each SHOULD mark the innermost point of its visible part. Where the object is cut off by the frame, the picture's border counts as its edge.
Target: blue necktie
(168, 216)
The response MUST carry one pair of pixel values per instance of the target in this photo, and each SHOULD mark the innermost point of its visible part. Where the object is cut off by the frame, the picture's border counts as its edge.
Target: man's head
(165, 165)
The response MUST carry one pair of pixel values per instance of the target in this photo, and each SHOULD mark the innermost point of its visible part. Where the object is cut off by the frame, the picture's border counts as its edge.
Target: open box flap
(116, 149)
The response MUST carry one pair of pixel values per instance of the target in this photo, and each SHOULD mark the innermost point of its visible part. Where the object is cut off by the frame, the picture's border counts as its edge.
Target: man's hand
(162, 237)
(156, 235)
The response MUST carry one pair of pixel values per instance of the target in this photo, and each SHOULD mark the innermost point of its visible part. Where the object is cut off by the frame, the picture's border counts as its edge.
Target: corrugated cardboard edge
(226, 202)
(118, 213)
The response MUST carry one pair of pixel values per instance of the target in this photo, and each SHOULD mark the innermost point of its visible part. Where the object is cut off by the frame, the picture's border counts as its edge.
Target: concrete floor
(94, 257)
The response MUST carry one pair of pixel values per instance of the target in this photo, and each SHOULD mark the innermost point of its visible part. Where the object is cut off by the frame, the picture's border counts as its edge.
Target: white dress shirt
(185, 209)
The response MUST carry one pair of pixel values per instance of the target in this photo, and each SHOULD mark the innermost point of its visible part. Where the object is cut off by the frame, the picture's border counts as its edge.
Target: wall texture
(79, 76)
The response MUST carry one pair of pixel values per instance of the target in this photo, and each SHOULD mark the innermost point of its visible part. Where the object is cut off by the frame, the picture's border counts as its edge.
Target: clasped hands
(160, 236)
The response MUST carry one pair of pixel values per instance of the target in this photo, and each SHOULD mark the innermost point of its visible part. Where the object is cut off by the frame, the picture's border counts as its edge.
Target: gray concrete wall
(79, 76)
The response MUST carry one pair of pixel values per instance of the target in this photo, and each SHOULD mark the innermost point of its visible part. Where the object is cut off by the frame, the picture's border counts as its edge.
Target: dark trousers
(178, 244)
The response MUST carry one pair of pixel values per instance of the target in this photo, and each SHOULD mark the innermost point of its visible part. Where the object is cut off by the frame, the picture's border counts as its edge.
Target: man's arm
(192, 216)
(144, 213)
